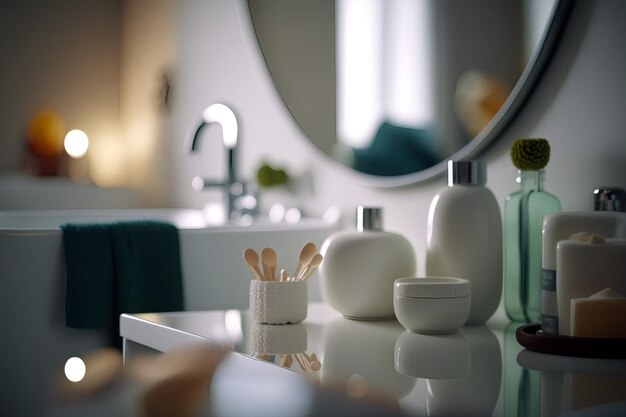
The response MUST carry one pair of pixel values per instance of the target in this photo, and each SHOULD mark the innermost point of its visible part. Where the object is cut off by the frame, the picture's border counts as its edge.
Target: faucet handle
(199, 183)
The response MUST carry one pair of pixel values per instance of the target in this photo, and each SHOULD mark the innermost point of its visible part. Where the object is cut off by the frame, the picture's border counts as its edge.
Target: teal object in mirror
(523, 214)
(420, 75)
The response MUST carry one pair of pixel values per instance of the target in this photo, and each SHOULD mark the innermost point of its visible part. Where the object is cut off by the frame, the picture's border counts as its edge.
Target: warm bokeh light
(76, 143)
(75, 369)
(108, 161)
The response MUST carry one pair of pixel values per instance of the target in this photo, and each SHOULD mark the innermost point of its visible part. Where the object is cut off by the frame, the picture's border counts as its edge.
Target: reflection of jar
(364, 348)
(432, 356)
(477, 394)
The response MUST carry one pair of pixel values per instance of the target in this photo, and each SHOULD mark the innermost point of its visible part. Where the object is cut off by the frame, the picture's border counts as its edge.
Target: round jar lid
(432, 287)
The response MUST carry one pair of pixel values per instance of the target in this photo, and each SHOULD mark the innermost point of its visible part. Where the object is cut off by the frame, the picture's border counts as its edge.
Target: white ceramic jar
(464, 236)
(432, 305)
(360, 267)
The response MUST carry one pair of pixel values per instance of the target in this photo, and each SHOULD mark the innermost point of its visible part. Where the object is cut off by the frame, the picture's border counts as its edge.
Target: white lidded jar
(464, 236)
(360, 267)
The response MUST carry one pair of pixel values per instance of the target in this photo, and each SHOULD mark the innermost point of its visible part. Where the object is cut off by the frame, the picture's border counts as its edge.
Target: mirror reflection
(392, 87)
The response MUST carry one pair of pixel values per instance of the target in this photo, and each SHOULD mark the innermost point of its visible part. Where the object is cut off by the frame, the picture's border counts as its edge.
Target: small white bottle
(360, 267)
(464, 236)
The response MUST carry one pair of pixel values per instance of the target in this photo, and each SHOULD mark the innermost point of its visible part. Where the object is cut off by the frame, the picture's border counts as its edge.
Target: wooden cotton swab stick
(251, 258)
(303, 364)
(268, 259)
(306, 254)
(311, 267)
(314, 364)
(286, 361)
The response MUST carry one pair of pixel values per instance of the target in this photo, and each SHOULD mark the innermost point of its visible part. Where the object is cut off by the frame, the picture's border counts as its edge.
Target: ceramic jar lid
(432, 287)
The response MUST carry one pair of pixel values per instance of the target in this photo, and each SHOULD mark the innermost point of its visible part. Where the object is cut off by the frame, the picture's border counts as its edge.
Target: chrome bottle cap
(369, 218)
(466, 172)
(609, 199)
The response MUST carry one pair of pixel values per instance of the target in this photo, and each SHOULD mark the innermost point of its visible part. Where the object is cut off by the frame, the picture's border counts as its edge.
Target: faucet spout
(233, 188)
(230, 155)
(225, 117)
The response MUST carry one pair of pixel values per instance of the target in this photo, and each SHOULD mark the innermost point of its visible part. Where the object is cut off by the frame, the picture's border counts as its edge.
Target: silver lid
(369, 218)
(466, 172)
(609, 199)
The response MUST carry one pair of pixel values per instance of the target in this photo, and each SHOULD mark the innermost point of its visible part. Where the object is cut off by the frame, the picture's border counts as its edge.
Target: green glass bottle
(523, 216)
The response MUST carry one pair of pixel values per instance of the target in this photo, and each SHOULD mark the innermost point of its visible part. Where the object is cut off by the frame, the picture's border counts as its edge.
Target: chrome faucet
(238, 202)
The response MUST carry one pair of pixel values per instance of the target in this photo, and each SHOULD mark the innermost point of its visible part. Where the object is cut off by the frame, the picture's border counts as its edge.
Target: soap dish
(531, 338)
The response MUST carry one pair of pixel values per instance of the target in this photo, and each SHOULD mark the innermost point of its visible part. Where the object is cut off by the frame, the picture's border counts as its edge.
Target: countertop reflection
(477, 371)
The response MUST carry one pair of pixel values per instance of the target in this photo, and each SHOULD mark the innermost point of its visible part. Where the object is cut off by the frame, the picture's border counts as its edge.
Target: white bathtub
(24, 192)
(32, 281)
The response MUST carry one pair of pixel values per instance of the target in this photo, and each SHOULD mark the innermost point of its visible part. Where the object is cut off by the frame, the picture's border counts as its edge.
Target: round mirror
(392, 89)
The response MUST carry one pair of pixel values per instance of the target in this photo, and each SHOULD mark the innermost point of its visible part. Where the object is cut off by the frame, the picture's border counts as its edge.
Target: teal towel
(147, 267)
(89, 269)
(125, 267)
(397, 150)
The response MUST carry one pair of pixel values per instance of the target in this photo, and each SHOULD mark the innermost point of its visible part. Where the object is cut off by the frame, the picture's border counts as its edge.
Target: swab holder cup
(278, 302)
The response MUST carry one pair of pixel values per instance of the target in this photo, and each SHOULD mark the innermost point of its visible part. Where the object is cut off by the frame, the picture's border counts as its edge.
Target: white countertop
(473, 372)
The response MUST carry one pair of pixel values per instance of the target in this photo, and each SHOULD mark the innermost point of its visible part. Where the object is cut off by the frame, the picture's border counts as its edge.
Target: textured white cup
(275, 302)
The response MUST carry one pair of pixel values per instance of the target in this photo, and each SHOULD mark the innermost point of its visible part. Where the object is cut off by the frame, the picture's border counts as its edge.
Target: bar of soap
(602, 315)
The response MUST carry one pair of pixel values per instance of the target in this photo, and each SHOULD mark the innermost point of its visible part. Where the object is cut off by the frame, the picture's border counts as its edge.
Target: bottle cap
(609, 199)
(369, 218)
(466, 172)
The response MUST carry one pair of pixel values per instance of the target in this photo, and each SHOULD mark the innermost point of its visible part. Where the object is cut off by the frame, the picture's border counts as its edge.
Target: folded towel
(90, 270)
(125, 267)
(147, 267)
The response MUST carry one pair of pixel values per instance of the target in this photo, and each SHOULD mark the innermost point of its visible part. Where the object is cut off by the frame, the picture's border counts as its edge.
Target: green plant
(268, 176)
(530, 154)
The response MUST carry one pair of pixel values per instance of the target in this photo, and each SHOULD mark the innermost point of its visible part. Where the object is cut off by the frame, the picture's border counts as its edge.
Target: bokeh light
(76, 143)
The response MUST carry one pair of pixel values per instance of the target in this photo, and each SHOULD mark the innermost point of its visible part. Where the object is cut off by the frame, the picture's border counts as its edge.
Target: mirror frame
(526, 83)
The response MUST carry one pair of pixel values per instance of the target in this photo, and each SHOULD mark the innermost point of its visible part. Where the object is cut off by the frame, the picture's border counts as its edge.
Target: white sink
(32, 273)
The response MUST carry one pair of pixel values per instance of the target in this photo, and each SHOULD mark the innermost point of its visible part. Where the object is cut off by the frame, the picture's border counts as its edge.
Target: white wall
(63, 55)
(146, 63)
(579, 105)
